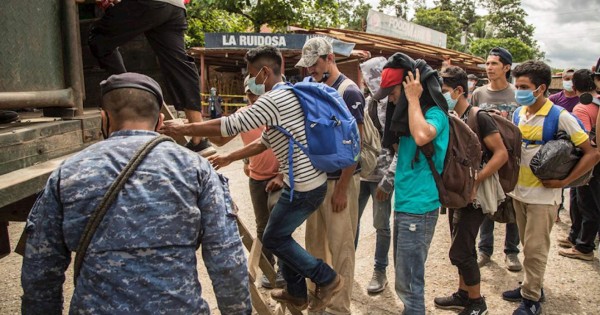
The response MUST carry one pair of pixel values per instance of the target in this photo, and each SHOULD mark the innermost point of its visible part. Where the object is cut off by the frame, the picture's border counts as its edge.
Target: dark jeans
(464, 226)
(381, 222)
(486, 238)
(412, 237)
(576, 217)
(163, 25)
(588, 201)
(260, 204)
(298, 264)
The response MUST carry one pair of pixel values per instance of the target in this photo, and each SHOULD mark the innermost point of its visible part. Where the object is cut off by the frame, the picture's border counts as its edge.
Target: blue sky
(567, 30)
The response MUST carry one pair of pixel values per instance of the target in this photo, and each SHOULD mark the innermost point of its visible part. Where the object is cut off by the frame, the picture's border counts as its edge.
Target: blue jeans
(381, 222)
(486, 238)
(412, 237)
(298, 264)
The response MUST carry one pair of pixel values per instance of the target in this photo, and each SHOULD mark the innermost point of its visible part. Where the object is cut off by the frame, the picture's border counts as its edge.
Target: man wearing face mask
(279, 107)
(465, 222)
(567, 98)
(331, 230)
(144, 250)
(536, 201)
(497, 95)
(472, 84)
(585, 217)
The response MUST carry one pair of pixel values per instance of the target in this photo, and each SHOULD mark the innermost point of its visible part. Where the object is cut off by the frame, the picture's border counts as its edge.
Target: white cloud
(567, 30)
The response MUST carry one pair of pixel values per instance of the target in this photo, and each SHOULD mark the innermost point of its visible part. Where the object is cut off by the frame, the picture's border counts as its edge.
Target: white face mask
(568, 86)
(256, 89)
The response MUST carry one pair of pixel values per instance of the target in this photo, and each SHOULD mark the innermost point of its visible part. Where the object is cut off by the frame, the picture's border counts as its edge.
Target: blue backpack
(550, 126)
(332, 136)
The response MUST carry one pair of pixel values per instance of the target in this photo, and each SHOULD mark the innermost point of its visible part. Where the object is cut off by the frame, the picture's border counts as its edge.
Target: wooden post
(202, 78)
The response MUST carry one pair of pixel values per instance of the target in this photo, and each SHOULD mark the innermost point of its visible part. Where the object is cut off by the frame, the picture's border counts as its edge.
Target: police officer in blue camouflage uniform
(142, 258)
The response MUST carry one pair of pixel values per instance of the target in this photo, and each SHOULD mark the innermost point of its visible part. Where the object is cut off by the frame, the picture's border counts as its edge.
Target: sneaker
(282, 296)
(515, 295)
(279, 280)
(204, 147)
(475, 307)
(564, 242)
(483, 259)
(512, 262)
(574, 253)
(323, 294)
(456, 301)
(265, 283)
(528, 307)
(378, 282)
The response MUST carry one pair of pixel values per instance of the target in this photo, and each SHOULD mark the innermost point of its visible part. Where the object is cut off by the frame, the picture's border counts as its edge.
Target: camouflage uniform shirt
(142, 258)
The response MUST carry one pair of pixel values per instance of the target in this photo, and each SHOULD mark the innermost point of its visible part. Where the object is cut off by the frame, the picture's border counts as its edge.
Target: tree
(400, 7)
(353, 14)
(507, 20)
(519, 50)
(204, 20)
(442, 21)
(279, 14)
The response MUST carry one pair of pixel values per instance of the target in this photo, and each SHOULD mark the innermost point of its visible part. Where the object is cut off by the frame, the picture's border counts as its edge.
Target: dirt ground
(571, 286)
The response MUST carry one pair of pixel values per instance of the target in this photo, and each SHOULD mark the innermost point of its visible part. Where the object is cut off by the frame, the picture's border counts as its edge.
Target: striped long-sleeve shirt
(279, 108)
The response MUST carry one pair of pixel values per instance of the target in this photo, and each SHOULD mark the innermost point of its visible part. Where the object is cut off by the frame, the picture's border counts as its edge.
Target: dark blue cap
(132, 80)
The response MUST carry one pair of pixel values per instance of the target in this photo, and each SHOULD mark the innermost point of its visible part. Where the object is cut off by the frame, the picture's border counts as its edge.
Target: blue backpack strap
(516, 120)
(517, 116)
(551, 123)
(291, 142)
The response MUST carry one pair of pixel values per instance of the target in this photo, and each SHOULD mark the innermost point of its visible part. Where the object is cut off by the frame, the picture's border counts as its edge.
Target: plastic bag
(556, 159)
(505, 212)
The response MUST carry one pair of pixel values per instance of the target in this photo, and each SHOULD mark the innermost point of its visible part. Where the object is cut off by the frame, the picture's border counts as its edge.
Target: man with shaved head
(142, 257)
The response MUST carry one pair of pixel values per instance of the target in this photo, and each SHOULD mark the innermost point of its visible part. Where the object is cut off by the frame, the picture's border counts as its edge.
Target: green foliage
(279, 14)
(440, 20)
(519, 50)
(202, 19)
(400, 7)
(353, 14)
(507, 20)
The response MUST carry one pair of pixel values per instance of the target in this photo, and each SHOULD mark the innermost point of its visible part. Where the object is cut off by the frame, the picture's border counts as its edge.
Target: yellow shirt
(529, 188)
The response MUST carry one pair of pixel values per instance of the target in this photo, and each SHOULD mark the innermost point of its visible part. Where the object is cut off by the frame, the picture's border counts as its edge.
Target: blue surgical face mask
(451, 102)
(256, 89)
(525, 97)
(568, 86)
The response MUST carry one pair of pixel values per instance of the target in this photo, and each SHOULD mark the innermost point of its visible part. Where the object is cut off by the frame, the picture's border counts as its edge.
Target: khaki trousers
(535, 223)
(330, 237)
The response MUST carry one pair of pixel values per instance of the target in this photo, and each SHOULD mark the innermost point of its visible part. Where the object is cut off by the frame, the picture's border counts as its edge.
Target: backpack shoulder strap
(109, 198)
(291, 142)
(517, 116)
(343, 86)
(472, 120)
(550, 126)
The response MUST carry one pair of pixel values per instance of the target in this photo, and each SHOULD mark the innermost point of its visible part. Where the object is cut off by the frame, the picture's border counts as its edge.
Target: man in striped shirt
(536, 201)
(279, 108)
(331, 230)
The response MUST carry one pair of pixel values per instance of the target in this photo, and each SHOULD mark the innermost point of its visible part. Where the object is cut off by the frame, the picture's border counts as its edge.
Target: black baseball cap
(132, 80)
(504, 54)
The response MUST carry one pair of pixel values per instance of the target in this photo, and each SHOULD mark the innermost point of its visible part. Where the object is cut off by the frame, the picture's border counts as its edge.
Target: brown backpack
(511, 136)
(461, 164)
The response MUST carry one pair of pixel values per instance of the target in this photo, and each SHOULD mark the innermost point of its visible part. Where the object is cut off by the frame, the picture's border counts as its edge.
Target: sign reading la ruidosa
(281, 41)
